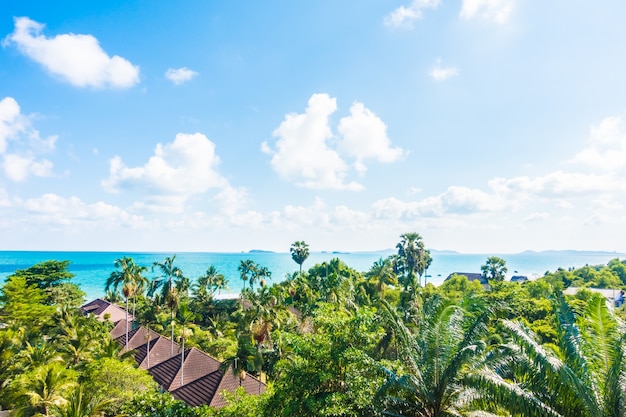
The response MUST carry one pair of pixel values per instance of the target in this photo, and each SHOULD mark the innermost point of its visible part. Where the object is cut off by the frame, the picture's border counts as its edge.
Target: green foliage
(45, 274)
(329, 372)
(23, 303)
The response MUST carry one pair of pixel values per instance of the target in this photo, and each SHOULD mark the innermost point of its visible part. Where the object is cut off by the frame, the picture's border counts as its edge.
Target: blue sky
(488, 126)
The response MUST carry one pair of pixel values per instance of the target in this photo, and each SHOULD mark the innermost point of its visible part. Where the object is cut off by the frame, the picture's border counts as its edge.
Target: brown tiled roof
(230, 382)
(101, 308)
(201, 391)
(196, 365)
(160, 348)
(119, 329)
(138, 337)
(203, 381)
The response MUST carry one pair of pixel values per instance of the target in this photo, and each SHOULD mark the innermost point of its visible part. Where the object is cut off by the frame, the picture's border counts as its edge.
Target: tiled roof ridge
(172, 363)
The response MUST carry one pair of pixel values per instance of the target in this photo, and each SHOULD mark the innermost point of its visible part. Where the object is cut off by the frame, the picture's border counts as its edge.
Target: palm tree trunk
(126, 344)
(172, 323)
(182, 360)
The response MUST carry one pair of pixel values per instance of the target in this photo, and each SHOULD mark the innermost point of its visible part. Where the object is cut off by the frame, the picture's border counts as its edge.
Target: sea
(91, 269)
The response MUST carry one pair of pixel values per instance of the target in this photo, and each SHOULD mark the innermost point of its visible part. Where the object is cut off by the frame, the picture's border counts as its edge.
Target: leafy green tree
(80, 405)
(45, 274)
(494, 269)
(120, 381)
(299, 253)
(22, 303)
(246, 270)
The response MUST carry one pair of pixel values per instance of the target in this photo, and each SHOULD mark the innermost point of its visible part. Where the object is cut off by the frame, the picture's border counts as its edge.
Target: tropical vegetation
(325, 341)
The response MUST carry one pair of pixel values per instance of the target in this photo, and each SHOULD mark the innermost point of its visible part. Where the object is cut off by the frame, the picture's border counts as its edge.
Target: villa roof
(203, 382)
(208, 389)
(160, 351)
(196, 365)
(105, 311)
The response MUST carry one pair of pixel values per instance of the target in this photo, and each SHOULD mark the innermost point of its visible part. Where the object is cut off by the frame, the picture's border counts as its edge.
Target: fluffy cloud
(52, 209)
(176, 172)
(607, 147)
(405, 16)
(364, 136)
(180, 75)
(304, 153)
(439, 73)
(20, 143)
(185, 167)
(78, 59)
(497, 11)
(18, 168)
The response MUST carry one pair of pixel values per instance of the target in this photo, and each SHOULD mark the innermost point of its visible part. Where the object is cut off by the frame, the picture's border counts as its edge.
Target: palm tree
(494, 269)
(411, 253)
(43, 389)
(130, 278)
(299, 252)
(80, 405)
(168, 273)
(585, 376)
(246, 270)
(447, 346)
(244, 360)
(184, 317)
(382, 273)
(211, 281)
(169, 293)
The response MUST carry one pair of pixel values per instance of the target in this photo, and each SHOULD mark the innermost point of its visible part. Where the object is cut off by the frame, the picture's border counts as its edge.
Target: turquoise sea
(91, 269)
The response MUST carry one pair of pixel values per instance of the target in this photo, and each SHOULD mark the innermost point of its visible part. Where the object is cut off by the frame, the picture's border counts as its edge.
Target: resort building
(193, 377)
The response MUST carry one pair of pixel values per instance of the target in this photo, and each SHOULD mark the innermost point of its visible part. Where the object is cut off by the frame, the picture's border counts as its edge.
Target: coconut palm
(130, 279)
(46, 387)
(184, 316)
(80, 405)
(169, 272)
(246, 270)
(299, 253)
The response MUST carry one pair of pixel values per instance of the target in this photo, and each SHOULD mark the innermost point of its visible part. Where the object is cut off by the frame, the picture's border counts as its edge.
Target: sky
(486, 126)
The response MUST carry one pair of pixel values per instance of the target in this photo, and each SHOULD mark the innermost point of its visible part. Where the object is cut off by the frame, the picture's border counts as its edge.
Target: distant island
(260, 251)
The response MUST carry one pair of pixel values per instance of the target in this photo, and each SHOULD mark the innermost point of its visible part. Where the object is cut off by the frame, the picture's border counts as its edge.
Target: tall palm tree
(246, 270)
(299, 253)
(184, 316)
(411, 252)
(129, 278)
(169, 293)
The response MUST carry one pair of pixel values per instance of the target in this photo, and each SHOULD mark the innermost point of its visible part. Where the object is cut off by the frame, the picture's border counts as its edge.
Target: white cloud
(18, 168)
(180, 75)
(20, 142)
(78, 59)
(364, 136)
(403, 17)
(52, 209)
(607, 147)
(497, 11)
(309, 154)
(176, 171)
(439, 73)
(302, 153)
